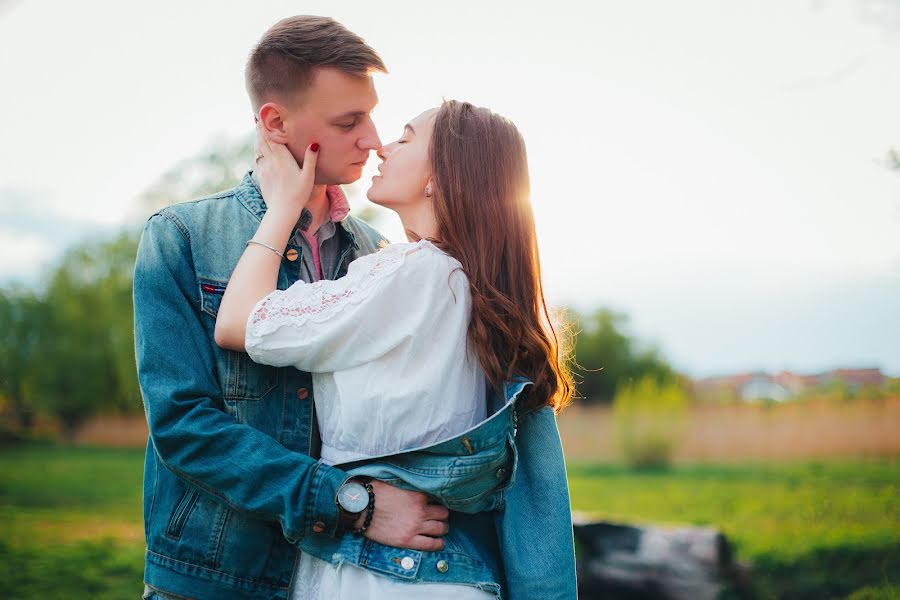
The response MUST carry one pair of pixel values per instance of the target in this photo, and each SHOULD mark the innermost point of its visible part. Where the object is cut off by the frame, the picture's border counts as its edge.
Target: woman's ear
(429, 188)
(271, 116)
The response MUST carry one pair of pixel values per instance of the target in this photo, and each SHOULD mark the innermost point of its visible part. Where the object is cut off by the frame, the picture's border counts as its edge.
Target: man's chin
(350, 175)
(346, 177)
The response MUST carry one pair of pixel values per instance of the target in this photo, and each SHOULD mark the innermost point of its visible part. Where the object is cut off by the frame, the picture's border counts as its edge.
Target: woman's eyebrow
(410, 127)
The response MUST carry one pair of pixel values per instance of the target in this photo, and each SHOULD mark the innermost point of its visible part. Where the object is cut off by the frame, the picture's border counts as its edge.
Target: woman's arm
(385, 300)
(286, 190)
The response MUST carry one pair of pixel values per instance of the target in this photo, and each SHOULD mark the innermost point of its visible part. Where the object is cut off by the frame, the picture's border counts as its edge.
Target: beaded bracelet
(370, 508)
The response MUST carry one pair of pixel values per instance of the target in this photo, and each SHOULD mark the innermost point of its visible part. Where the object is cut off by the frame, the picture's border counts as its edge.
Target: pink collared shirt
(338, 209)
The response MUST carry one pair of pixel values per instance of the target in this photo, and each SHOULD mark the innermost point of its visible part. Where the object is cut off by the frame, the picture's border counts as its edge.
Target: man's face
(335, 111)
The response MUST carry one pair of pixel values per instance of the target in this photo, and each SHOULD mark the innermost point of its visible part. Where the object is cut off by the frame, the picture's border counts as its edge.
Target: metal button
(467, 445)
(500, 473)
(407, 563)
(318, 527)
(291, 254)
(442, 566)
(302, 394)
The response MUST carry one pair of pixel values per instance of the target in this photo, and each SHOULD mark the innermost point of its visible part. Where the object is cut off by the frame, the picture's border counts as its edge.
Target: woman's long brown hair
(484, 217)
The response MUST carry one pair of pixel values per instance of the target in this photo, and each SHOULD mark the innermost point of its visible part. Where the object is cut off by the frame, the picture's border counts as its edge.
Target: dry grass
(794, 430)
(798, 430)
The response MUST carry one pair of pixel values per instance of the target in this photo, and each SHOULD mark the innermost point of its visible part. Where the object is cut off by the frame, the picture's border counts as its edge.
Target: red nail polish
(314, 147)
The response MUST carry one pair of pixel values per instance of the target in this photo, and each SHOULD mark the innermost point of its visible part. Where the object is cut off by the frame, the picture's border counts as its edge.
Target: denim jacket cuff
(323, 512)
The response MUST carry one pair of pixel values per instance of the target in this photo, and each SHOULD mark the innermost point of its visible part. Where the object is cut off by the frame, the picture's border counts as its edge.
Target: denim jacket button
(500, 472)
(443, 566)
(291, 254)
(302, 394)
(318, 527)
(407, 563)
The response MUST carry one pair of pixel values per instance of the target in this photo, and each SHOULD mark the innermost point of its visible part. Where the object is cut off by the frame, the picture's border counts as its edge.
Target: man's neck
(319, 207)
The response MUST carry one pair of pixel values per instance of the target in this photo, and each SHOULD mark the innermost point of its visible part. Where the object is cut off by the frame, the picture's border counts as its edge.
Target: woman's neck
(419, 222)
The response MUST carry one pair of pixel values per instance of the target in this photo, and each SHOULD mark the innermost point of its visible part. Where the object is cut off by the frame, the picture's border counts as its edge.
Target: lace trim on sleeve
(320, 301)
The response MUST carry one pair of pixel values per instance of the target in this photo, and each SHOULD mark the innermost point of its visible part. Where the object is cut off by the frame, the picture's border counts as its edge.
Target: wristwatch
(353, 498)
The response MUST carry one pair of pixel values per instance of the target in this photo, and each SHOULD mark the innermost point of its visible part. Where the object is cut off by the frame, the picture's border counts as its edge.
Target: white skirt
(316, 579)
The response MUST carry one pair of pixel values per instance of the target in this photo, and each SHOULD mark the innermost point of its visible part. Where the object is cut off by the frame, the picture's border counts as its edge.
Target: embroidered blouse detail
(387, 347)
(319, 301)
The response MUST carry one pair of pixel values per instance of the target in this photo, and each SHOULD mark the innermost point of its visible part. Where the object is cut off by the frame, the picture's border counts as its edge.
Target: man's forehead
(335, 94)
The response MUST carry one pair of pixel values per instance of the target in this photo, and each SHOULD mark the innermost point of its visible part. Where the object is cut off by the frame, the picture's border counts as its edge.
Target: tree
(21, 314)
(607, 357)
(83, 360)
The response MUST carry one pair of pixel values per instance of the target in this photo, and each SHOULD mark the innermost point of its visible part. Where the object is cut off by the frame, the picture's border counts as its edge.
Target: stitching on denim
(149, 517)
(179, 225)
(214, 551)
(240, 364)
(223, 499)
(312, 512)
(225, 576)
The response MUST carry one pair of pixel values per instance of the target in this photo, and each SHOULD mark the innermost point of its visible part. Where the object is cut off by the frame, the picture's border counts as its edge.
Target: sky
(715, 170)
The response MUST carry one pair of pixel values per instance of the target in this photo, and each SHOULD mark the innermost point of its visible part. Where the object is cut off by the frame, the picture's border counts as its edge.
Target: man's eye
(347, 126)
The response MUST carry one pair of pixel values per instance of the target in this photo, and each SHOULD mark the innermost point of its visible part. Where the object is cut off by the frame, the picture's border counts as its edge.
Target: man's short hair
(285, 59)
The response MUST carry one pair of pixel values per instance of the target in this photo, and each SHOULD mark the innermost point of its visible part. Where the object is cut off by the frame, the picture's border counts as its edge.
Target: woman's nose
(384, 151)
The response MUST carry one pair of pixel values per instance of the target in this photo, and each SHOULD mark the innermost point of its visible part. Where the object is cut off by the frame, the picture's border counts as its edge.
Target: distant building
(784, 385)
(764, 387)
(857, 378)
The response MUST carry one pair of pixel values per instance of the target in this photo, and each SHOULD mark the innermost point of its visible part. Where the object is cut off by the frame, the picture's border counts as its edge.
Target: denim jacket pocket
(181, 512)
(240, 377)
(474, 480)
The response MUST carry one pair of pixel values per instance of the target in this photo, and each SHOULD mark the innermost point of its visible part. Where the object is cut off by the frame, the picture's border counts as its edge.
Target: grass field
(70, 520)
(812, 530)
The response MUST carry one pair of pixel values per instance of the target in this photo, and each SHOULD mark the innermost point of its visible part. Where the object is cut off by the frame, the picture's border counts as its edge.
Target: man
(231, 483)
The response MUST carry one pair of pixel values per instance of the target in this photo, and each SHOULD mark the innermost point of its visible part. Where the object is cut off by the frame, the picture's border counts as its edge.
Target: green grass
(811, 530)
(70, 523)
(70, 520)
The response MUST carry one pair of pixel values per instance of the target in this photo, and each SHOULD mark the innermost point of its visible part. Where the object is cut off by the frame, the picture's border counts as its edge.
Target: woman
(404, 345)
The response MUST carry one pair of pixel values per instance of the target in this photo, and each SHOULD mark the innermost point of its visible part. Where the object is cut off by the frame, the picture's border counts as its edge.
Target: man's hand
(405, 519)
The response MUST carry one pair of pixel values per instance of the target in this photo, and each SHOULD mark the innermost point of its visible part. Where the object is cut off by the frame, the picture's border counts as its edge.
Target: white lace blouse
(387, 348)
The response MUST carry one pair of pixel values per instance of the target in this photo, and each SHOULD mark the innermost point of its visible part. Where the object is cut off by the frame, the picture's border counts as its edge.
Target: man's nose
(370, 139)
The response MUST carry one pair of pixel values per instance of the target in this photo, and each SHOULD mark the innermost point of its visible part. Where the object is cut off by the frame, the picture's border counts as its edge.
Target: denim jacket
(479, 470)
(232, 488)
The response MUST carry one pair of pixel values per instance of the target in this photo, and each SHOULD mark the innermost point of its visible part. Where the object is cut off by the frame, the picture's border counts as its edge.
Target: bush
(650, 417)
(884, 592)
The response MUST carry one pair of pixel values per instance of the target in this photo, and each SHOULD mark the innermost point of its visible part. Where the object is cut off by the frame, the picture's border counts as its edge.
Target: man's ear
(271, 116)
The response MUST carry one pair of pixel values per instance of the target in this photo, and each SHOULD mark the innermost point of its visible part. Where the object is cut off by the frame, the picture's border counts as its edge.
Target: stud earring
(428, 191)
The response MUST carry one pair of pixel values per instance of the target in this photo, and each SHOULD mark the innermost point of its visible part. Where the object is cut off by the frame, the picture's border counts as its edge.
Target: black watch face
(353, 497)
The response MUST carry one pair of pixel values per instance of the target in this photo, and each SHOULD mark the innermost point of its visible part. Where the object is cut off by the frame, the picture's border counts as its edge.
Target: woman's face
(405, 170)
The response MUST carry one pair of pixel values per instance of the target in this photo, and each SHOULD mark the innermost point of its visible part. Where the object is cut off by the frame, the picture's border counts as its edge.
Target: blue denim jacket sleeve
(535, 525)
(193, 437)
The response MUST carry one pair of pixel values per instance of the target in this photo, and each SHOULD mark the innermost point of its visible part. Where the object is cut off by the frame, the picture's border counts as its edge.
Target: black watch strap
(370, 509)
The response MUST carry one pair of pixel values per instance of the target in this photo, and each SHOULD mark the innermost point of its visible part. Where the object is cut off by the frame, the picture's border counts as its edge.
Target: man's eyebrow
(346, 115)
